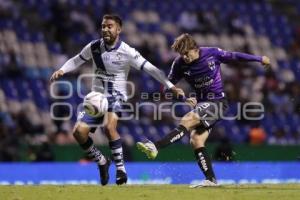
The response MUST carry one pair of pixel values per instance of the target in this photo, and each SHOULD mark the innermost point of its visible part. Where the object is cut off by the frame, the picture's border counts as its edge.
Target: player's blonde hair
(184, 43)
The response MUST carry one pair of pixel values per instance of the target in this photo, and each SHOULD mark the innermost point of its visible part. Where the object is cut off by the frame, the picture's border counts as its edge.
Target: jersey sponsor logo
(99, 71)
(204, 84)
(103, 75)
(204, 81)
(117, 62)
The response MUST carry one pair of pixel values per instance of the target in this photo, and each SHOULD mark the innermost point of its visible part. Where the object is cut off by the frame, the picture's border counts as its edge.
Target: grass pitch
(151, 192)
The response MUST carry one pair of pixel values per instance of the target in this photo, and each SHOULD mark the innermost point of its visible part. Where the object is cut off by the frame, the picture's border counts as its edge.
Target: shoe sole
(202, 186)
(121, 181)
(145, 150)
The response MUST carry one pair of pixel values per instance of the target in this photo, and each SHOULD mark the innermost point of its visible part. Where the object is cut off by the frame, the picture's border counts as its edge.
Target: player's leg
(209, 113)
(187, 123)
(197, 140)
(205, 114)
(115, 144)
(81, 134)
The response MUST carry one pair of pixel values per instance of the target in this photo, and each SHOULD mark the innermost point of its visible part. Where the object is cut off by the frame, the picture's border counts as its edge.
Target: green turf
(151, 192)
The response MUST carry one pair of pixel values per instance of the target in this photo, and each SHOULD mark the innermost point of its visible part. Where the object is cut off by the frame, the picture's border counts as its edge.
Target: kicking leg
(187, 123)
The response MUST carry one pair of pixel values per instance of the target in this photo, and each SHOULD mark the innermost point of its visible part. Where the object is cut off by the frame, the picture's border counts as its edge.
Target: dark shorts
(114, 105)
(209, 113)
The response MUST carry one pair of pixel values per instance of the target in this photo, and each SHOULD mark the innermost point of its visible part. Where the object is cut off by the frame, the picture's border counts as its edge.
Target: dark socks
(172, 137)
(204, 163)
(93, 152)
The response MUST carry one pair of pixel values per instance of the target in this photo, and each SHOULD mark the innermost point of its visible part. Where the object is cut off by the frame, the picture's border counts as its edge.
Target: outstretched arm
(157, 74)
(140, 63)
(160, 76)
(73, 63)
(70, 65)
(226, 56)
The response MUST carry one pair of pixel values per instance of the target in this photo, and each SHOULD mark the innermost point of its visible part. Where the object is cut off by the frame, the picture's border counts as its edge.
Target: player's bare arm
(72, 64)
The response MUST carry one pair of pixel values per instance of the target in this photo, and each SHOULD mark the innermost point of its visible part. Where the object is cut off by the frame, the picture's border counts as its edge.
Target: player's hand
(178, 92)
(191, 101)
(57, 74)
(266, 62)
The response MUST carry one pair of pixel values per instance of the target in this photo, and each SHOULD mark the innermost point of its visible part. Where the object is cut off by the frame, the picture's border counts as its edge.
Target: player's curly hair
(114, 17)
(184, 43)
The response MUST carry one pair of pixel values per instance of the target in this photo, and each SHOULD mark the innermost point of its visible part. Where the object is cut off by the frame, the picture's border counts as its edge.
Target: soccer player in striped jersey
(112, 59)
(201, 68)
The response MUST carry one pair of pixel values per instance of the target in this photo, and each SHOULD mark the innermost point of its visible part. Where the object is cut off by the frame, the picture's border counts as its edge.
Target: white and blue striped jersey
(111, 66)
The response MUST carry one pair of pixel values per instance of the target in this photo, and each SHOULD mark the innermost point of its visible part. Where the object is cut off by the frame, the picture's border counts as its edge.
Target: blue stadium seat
(163, 130)
(55, 48)
(234, 133)
(151, 132)
(37, 37)
(22, 88)
(9, 88)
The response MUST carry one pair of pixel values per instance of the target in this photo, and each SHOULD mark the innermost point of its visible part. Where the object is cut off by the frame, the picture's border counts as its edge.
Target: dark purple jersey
(204, 74)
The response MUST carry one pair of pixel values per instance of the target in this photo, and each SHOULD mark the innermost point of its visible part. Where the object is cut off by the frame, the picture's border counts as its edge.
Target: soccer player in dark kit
(201, 68)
